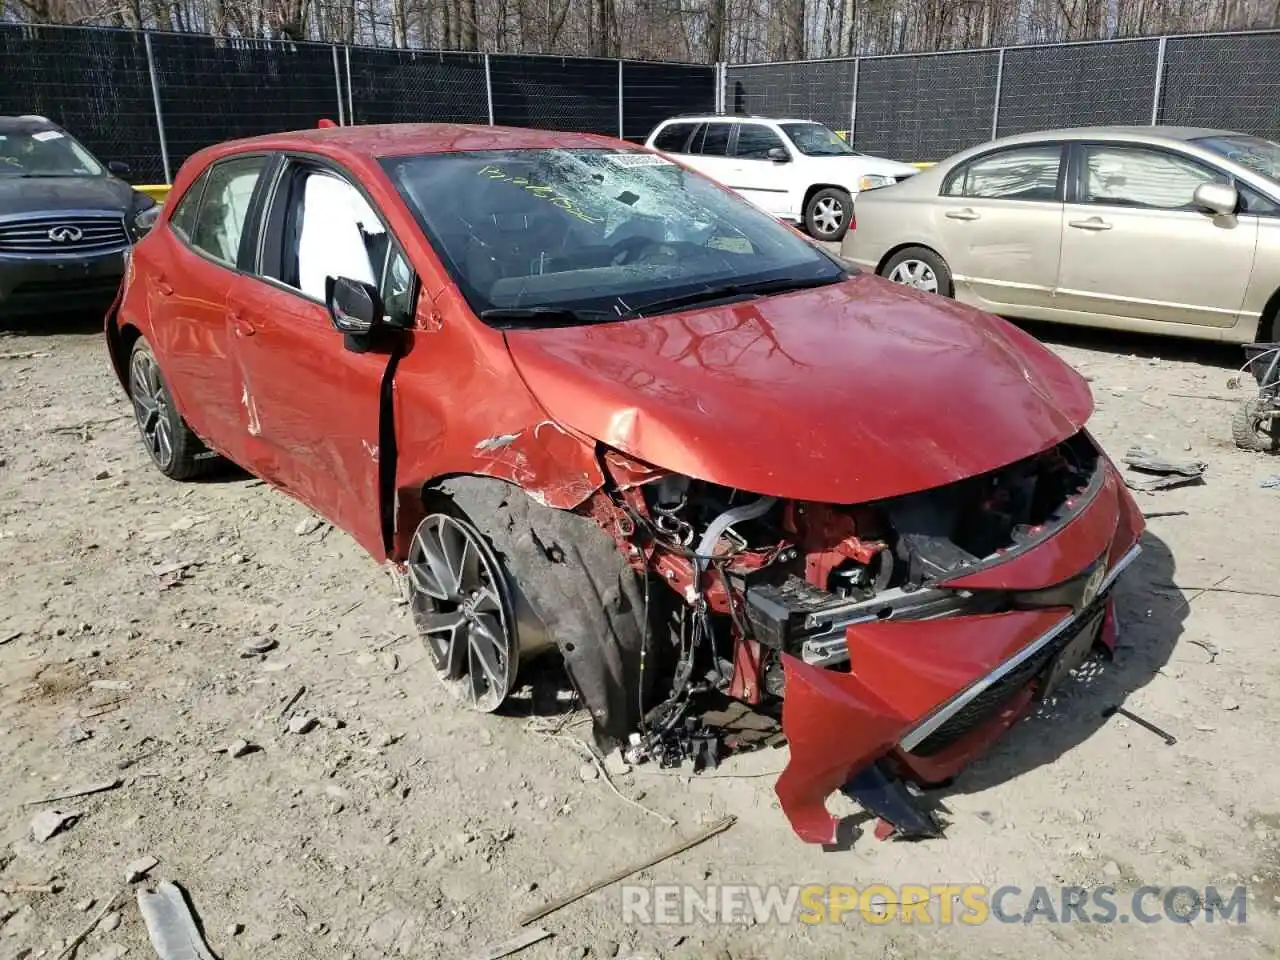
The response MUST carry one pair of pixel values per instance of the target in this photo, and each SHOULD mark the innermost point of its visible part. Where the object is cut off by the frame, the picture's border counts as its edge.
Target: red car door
(313, 402)
(188, 271)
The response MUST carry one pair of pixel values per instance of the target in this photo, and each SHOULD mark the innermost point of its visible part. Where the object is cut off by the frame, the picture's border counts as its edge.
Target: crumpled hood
(842, 394)
(30, 195)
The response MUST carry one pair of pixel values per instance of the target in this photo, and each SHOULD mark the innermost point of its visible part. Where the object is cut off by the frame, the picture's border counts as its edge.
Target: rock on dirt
(49, 823)
(137, 870)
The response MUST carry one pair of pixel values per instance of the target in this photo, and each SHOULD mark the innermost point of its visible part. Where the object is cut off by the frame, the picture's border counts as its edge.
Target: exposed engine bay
(702, 590)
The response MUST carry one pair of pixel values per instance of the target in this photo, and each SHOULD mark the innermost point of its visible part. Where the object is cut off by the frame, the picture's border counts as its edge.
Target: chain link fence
(153, 99)
(925, 107)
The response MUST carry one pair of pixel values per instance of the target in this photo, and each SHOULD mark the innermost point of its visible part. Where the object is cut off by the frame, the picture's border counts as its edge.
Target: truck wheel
(828, 213)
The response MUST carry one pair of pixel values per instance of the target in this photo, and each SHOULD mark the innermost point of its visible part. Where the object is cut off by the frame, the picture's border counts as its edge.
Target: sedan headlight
(873, 180)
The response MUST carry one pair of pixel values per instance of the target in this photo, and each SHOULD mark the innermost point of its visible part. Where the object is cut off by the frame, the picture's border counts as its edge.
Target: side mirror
(119, 168)
(354, 307)
(779, 155)
(1220, 199)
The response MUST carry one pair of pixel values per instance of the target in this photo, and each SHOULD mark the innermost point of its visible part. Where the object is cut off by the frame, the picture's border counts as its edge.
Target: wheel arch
(815, 187)
(898, 248)
(1269, 322)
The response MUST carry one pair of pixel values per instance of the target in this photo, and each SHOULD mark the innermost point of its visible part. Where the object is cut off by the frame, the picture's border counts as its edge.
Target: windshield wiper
(515, 317)
(723, 292)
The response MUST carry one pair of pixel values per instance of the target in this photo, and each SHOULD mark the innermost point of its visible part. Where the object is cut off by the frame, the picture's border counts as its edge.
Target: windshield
(1260, 156)
(600, 232)
(815, 140)
(45, 153)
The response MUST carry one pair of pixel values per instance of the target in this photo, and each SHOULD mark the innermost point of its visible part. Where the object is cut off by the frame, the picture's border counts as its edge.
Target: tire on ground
(925, 256)
(811, 209)
(190, 457)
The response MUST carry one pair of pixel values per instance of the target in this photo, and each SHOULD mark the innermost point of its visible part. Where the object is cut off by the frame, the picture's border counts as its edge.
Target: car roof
(1140, 134)
(733, 118)
(406, 139)
(27, 124)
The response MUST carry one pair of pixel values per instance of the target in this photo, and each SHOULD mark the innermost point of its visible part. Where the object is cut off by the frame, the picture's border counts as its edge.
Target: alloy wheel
(151, 408)
(915, 273)
(828, 215)
(463, 610)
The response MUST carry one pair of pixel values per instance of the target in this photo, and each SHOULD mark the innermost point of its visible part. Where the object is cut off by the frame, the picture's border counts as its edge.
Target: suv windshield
(573, 235)
(815, 140)
(1260, 156)
(44, 153)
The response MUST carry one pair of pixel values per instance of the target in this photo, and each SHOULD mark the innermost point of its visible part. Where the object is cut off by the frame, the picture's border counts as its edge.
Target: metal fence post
(155, 100)
(1155, 97)
(621, 132)
(995, 107)
(337, 86)
(488, 87)
(722, 87)
(853, 104)
(351, 105)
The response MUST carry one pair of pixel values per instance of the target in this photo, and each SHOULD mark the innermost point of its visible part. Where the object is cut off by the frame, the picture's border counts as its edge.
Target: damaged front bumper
(915, 701)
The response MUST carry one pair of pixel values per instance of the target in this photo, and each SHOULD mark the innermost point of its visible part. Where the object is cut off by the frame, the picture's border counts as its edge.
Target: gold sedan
(1165, 230)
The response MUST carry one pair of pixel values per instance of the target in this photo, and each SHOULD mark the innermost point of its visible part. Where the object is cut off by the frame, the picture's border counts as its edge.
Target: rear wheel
(919, 268)
(827, 214)
(174, 449)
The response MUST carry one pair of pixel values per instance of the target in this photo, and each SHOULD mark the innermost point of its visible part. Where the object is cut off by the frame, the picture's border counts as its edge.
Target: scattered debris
(1169, 473)
(288, 705)
(587, 772)
(33, 888)
(82, 791)
(1168, 738)
(717, 828)
(112, 951)
(1204, 396)
(49, 823)
(301, 723)
(10, 637)
(257, 646)
(74, 943)
(1209, 647)
(118, 685)
(76, 734)
(615, 764)
(170, 569)
(99, 709)
(330, 723)
(1271, 483)
(109, 923)
(239, 748)
(1230, 703)
(170, 925)
(517, 943)
(85, 905)
(308, 525)
(136, 870)
(25, 355)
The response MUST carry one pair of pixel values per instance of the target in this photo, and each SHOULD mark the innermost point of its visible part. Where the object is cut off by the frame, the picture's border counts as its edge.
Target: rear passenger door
(313, 404)
(709, 151)
(999, 221)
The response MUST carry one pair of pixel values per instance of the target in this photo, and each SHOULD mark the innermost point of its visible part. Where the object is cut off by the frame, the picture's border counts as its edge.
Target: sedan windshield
(815, 140)
(573, 235)
(1260, 156)
(45, 153)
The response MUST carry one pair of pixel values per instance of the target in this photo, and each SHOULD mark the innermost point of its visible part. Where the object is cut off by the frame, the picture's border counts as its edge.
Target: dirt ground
(416, 829)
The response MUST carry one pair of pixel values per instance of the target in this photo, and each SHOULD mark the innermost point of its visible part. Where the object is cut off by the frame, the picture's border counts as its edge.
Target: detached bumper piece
(918, 702)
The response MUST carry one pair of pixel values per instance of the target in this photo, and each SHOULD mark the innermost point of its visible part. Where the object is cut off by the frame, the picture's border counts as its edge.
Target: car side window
(225, 206)
(1253, 202)
(332, 231)
(183, 221)
(1020, 173)
(673, 137)
(1124, 176)
(715, 143)
(755, 141)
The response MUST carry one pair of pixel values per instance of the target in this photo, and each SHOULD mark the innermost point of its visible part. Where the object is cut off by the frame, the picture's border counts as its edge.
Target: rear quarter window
(673, 137)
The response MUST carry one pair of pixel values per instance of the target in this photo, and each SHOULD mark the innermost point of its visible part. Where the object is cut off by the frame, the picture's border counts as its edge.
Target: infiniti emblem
(65, 234)
(1094, 583)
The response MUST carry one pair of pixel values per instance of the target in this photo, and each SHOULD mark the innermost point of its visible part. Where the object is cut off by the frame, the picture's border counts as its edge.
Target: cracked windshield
(569, 236)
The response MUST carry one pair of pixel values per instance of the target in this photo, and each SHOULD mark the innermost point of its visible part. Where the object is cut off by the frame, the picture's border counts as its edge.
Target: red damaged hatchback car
(586, 399)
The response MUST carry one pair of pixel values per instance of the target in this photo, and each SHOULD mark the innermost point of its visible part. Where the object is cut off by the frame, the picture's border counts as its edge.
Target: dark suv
(66, 221)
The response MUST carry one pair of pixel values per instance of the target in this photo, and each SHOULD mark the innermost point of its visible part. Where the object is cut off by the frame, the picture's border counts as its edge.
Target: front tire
(921, 269)
(175, 450)
(828, 214)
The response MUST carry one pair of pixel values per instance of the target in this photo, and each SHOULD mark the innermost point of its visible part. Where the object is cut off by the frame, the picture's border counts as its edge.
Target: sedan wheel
(915, 273)
(463, 610)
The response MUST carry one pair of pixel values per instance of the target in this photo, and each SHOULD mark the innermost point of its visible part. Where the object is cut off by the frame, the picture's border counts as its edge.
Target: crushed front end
(900, 638)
